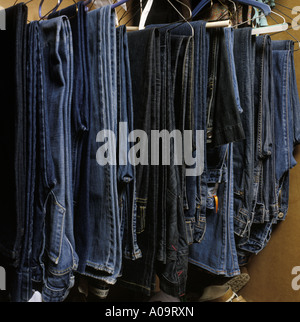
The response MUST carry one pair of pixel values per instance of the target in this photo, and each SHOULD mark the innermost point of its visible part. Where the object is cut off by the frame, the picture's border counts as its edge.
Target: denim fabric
(23, 290)
(286, 106)
(244, 151)
(13, 135)
(104, 254)
(196, 190)
(173, 271)
(229, 34)
(217, 251)
(54, 203)
(273, 188)
(126, 171)
(144, 54)
(220, 255)
(223, 124)
(264, 196)
(80, 125)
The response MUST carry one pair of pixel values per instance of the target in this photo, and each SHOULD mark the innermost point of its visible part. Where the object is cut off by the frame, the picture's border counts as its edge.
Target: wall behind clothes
(271, 270)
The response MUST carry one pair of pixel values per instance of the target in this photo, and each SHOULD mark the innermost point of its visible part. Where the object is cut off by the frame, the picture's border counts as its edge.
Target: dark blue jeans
(144, 54)
(104, 254)
(13, 134)
(126, 171)
(80, 126)
(16, 146)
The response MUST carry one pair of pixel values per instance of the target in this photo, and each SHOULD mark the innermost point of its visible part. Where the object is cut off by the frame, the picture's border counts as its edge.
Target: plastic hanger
(264, 7)
(145, 14)
(273, 28)
(53, 10)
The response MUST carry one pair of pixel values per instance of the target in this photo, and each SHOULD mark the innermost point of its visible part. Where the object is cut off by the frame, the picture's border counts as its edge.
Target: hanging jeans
(126, 170)
(104, 258)
(80, 125)
(13, 135)
(53, 237)
(144, 54)
(195, 190)
(244, 151)
(22, 290)
(176, 115)
(264, 197)
(217, 251)
(273, 185)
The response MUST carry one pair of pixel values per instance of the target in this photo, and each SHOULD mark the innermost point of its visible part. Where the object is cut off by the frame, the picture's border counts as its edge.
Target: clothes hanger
(264, 7)
(148, 7)
(145, 14)
(53, 10)
(273, 28)
(184, 19)
(296, 40)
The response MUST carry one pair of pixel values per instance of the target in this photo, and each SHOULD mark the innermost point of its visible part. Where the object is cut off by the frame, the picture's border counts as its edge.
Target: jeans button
(281, 215)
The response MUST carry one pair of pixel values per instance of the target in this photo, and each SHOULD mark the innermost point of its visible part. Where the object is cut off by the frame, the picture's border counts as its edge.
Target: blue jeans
(104, 258)
(145, 73)
(126, 172)
(273, 184)
(22, 290)
(54, 244)
(216, 251)
(243, 151)
(263, 196)
(80, 126)
(13, 136)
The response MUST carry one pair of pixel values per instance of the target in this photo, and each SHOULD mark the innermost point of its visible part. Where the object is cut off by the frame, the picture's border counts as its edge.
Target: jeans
(13, 135)
(55, 243)
(80, 126)
(144, 54)
(217, 251)
(244, 151)
(104, 254)
(175, 113)
(126, 172)
(286, 118)
(15, 141)
(195, 190)
(273, 185)
(264, 197)
(22, 290)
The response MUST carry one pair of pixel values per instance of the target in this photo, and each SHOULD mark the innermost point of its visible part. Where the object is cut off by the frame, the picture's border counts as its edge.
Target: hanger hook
(53, 10)
(181, 15)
